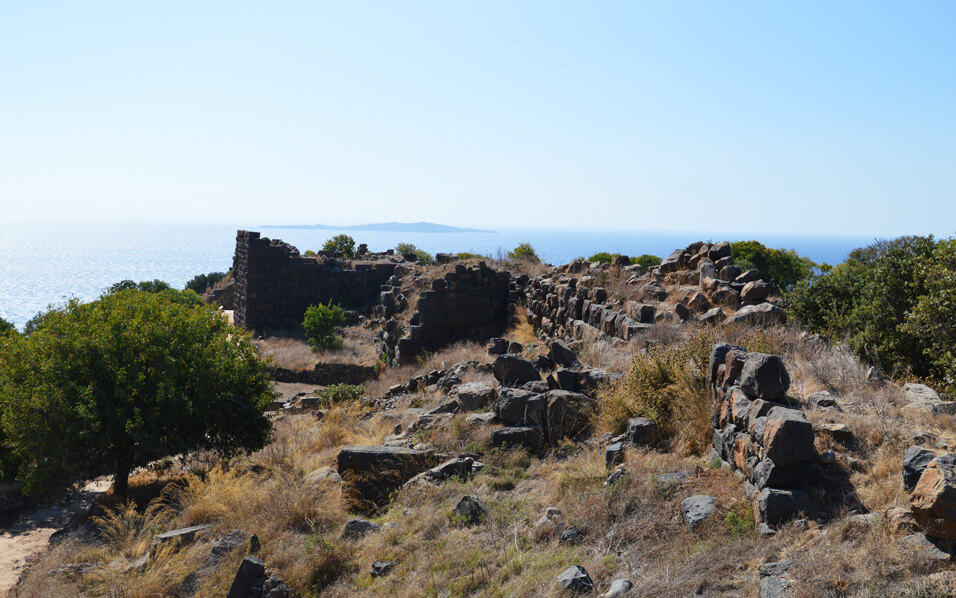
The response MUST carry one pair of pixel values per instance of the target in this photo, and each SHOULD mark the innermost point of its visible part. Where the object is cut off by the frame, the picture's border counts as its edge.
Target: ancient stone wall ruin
(275, 285)
(469, 303)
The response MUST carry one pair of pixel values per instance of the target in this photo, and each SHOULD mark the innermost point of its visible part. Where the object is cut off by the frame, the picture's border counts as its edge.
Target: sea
(44, 265)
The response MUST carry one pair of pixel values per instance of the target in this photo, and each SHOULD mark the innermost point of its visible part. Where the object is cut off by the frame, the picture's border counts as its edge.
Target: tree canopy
(782, 267)
(106, 386)
(343, 244)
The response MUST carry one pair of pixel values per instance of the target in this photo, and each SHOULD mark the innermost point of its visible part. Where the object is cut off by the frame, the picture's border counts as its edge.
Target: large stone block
(374, 472)
(934, 499)
(764, 377)
(516, 406)
(788, 436)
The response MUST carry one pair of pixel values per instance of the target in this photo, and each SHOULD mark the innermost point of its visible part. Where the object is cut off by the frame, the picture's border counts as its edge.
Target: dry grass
(295, 353)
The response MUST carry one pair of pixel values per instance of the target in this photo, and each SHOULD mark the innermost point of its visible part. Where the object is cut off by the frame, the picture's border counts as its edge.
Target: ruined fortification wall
(469, 303)
(275, 285)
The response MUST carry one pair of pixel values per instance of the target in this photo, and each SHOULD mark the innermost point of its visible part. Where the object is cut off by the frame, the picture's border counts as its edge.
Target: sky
(793, 117)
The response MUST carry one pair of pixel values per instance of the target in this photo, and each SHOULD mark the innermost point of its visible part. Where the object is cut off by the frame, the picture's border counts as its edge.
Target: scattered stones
(576, 579)
(471, 509)
(696, 509)
(356, 529)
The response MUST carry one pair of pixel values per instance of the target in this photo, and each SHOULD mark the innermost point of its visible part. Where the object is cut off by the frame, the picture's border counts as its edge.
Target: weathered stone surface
(471, 509)
(375, 471)
(788, 436)
(641, 432)
(934, 499)
(525, 436)
(562, 355)
(915, 462)
(567, 414)
(619, 588)
(576, 579)
(764, 377)
(696, 509)
(512, 370)
(613, 454)
(251, 569)
(763, 314)
(475, 395)
(773, 583)
(756, 290)
(516, 406)
(356, 529)
(773, 506)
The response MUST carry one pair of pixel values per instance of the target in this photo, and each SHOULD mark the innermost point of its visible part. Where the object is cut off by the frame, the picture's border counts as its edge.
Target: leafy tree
(933, 319)
(343, 244)
(201, 282)
(646, 261)
(406, 248)
(320, 323)
(524, 253)
(110, 385)
(185, 297)
(782, 267)
(6, 327)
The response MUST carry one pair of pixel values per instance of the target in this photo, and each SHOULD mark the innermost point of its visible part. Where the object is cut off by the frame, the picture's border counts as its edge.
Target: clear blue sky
(830, 117)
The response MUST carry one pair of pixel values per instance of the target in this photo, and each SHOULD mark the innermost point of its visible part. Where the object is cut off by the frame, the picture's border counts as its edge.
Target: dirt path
(31, 532)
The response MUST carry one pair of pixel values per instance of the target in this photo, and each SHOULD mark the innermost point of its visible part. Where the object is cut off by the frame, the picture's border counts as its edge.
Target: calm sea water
(43, 265)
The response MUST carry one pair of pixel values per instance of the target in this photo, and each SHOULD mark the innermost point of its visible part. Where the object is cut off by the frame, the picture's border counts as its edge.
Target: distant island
(392, 227)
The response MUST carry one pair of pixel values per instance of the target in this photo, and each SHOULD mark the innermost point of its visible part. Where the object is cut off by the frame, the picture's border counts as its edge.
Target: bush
(406, 248)
(107, 386)
(646, 261)
(201, 282)
(782, 267)
(524, 253)
(343, 244)
(309, 253)
(340, 393)
(6, 327)
(320, 323)
(667, 385)
(187, 296)
(890, 301)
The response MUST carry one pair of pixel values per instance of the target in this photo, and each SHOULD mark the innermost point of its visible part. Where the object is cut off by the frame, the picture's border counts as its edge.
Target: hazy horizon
(748, 118)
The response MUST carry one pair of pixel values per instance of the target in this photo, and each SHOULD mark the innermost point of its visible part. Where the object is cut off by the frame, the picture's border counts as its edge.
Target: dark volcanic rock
(512, 370)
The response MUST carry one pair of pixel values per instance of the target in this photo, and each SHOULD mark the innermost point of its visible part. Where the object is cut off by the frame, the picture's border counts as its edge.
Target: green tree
(782, 267)
(933, 319)
(106, 386)
(524, 253)
(343, 244)
(406, 248)
(6, 327)
(320, 323)
(201, 282)
(647, 261)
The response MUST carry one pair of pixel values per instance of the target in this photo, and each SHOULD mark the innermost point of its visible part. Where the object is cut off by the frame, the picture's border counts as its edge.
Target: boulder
(525, 436)
(711, 316)
(562, 355)
(641, 432)
(613, 454)
(570, 535)
(774, 581)
(517, 406)
(567, 414)
(471, 509)
(356, 529)
(576, 579)
(934, 499)
(756, 290)
(773, 506)
(497, 346)
(619, 588)
(763, 314)
(380, 568)
(748, 276)
(915, 462)
(251, 569)
(543, 363)
(696, 509)
(788, 436)
(515, 347)
(719, 251)
(512, 370)
(373, 472)
(475, 395)
(764, 377)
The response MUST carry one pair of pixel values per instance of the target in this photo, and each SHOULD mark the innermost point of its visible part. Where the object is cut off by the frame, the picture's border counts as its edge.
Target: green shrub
(201, 282)
(891, 301)
(740, 522)
(320, 323)
(340, 393)
(309, 253)
(647, 261)
(782, 267)
(188, 296)
(524, 253)
(6, 327)
(465, 255)
(343, 244)
(406, 248)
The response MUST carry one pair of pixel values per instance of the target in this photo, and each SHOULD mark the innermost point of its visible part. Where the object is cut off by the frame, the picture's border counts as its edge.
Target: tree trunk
(121, 479)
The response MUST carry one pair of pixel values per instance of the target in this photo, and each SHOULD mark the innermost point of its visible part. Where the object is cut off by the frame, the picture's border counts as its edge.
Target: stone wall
(275, 285)
(469, 303)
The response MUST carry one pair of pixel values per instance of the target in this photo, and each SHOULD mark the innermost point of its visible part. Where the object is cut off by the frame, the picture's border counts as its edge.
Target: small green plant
(407, 248)
(340, 393)
(320, 323)
(343, 244)
(465, 255)
(381, 364)
(739, 522)
(309, 253)
(524, 253)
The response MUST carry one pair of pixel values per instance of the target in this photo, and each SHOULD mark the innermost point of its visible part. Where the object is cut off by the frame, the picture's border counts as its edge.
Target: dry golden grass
(295, 353)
